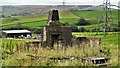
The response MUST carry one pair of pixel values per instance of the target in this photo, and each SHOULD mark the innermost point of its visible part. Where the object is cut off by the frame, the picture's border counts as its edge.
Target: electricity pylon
(106, 16)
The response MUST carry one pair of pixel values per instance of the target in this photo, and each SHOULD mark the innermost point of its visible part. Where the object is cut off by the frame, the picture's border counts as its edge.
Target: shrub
(115, 29)
(74, 28)
(82, 29)
(82, 22)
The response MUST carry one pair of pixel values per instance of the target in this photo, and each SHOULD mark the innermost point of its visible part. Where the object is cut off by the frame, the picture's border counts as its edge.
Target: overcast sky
(55, 2)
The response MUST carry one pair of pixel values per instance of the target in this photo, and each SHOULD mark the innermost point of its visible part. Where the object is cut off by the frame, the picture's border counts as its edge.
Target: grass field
(96, 15)
(70, 17)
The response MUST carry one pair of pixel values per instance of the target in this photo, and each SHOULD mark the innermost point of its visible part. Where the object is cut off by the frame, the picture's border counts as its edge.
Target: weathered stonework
(55, 32)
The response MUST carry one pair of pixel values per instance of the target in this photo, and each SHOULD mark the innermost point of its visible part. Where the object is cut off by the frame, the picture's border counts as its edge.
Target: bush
(82, 29)
(82, 22)
(74, 29)
(96, 30)
(115, 29)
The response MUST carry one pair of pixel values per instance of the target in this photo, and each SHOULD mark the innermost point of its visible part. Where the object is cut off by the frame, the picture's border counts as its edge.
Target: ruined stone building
(55, 32)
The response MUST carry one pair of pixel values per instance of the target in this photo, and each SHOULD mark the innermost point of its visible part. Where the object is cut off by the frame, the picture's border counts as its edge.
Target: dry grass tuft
(22, 55)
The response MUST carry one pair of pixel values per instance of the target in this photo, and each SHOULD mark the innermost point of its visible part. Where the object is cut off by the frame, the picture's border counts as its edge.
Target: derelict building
(55, 32)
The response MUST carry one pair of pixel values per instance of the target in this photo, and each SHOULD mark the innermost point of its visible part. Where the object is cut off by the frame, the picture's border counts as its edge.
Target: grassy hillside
(95, 15)
(38, 20)
(22, 19)
(24, 10)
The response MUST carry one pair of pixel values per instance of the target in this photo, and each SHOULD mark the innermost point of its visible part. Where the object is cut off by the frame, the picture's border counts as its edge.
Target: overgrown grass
(12, 41)
(41, 56)
(18, 53)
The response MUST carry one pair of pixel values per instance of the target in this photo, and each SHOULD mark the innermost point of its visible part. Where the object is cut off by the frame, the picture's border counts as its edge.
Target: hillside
(40, 19)
(25, 10)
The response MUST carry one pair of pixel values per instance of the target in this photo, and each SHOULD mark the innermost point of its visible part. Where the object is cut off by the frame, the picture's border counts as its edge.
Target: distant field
(38, 20)
(21, 19)
(96, 14)
(68, 14)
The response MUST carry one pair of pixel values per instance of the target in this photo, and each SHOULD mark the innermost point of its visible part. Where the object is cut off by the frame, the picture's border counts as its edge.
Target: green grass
(109, 39)
(34, 24)
(35, 17)
(37, 20)
(68, 16)
(28, 24)
(87, 14)
(92, 26)
(14, 41)
(71, 21)
(21, 19)
(41, 23)
(96, 15)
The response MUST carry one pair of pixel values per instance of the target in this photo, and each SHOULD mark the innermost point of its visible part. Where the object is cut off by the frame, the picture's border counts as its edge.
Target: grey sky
(55, 2)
